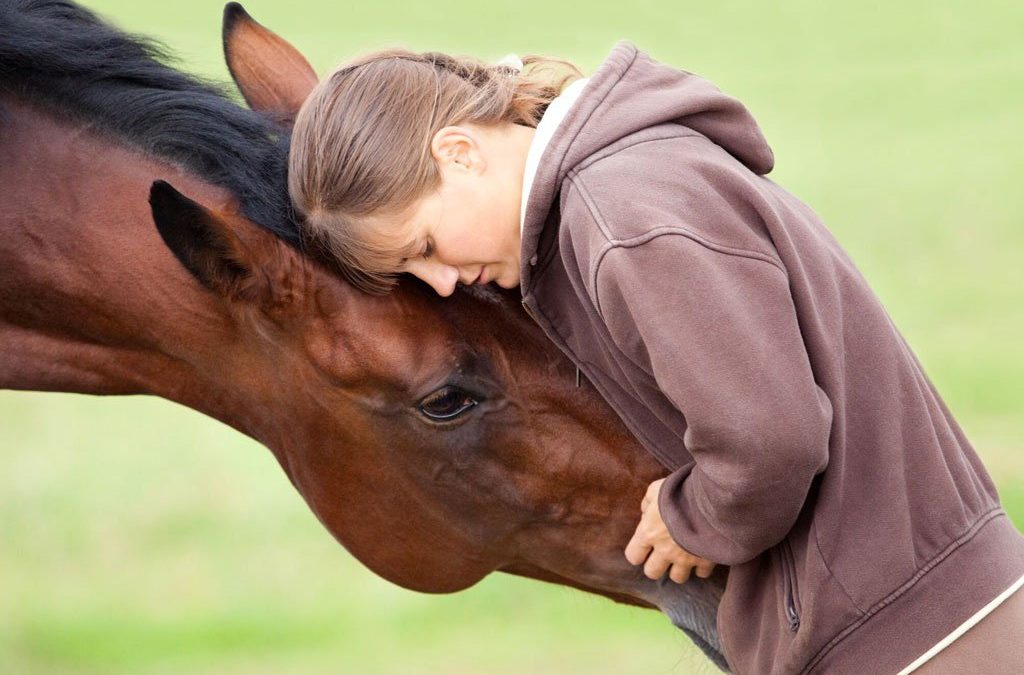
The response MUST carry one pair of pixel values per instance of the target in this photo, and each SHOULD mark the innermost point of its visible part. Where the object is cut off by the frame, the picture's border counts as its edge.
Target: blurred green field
(139, 537)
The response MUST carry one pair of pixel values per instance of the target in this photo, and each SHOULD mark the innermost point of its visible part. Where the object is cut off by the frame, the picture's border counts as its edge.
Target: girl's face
(468, 230)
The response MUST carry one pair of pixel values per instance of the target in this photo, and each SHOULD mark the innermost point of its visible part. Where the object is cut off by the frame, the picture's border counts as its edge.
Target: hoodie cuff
(689, 528)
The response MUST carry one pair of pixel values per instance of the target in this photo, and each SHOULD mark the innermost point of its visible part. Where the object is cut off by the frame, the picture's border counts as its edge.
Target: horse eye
(446, 404)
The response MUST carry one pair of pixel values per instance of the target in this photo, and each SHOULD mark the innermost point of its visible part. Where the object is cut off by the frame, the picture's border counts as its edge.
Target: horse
(148, 248)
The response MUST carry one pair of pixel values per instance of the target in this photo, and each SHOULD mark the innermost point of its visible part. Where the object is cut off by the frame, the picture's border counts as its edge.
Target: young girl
(716, 314)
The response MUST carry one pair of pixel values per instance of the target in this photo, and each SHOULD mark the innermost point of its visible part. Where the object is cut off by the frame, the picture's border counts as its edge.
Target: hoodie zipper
(532, 316)
(529, 312)
(789, 585)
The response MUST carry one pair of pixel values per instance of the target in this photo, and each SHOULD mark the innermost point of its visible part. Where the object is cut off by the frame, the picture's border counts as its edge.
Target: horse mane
(82, 68)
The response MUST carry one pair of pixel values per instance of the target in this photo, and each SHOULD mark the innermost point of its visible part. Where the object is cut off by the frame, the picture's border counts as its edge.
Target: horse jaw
(693, 608)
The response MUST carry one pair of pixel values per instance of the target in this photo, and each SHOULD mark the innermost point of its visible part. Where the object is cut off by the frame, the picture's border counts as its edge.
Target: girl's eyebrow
(414, 248)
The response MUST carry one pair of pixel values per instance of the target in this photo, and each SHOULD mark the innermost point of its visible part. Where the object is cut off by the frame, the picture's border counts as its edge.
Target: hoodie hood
(629, 92)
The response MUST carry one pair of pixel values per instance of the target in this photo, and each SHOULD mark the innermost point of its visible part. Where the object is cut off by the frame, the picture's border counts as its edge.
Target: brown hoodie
(807, 448)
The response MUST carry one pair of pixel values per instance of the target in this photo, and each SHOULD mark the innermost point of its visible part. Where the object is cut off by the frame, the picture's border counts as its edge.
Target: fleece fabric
(804, 445)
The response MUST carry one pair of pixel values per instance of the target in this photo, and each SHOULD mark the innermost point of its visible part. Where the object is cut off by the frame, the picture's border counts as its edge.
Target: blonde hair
(361, 142)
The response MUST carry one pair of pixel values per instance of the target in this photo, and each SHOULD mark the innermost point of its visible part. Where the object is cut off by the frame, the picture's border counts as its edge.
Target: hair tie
(511, 61)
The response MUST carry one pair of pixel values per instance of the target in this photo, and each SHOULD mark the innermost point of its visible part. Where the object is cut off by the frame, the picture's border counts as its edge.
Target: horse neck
(93, 301)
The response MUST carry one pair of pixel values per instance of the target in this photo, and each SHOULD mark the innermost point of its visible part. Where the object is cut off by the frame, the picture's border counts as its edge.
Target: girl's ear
(272, 75)
(457, 148)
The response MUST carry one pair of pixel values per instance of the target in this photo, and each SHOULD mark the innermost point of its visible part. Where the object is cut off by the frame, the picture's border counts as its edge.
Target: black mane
(63, 56)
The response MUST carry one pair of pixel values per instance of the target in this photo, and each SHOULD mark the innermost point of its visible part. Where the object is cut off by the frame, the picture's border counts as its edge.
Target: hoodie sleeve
(718, 330)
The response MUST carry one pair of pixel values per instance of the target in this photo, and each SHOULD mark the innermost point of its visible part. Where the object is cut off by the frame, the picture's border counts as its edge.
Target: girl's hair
(361, 142)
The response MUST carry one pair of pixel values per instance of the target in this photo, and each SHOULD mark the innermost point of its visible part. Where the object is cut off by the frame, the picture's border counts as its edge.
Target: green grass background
(140, 537)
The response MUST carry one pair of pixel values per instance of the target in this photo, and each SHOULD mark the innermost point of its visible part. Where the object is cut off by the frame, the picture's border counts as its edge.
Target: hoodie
(804, 445)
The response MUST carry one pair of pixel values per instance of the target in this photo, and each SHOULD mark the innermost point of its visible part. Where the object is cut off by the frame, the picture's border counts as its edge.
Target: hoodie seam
(613, 243)
(664, 230)
(612, 150)
(604, 95)
(576, 180)
(969, 533)
(569, 140)
(828, 568)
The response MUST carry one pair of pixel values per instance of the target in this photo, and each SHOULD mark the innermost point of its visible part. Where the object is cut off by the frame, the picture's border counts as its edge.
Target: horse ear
(232, 258)
(272, 75)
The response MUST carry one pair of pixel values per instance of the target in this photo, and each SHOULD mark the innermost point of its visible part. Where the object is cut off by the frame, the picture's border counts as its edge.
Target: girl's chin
(487, 275)
(507, 282)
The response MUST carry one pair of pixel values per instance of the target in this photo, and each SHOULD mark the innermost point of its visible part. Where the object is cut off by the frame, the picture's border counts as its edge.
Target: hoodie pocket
(789, 589)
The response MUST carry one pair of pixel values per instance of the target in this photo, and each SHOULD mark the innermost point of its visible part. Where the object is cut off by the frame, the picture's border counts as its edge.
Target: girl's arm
(719, 331)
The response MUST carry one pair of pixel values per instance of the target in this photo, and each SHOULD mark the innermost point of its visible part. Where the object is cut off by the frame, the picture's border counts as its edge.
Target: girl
(716, 314)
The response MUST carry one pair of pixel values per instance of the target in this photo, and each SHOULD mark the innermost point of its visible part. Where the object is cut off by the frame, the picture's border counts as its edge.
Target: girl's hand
(653, 547)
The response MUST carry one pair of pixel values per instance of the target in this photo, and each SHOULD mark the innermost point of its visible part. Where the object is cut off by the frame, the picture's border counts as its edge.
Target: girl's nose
(441, 278)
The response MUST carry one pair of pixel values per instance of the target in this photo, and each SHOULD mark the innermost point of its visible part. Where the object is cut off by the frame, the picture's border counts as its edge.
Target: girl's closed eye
(425, 252)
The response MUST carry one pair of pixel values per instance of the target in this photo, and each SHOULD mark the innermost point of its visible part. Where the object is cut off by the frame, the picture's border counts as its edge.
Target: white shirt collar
(546, 128)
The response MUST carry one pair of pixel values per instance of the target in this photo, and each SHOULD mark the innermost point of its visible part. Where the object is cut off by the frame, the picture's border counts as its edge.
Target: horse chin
(713, 654)
(693, 608)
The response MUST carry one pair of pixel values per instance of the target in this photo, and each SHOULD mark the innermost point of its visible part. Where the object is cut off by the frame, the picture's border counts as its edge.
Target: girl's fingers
(655, 566)
(704, 569)
(638, 547)
(651, 494)
(636, 554)
(680, 573)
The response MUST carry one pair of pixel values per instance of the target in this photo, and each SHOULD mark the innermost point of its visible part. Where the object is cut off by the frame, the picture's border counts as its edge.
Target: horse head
(437, 439)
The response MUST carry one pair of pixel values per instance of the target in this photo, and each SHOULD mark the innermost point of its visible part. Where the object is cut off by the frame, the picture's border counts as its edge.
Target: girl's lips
(482, 277)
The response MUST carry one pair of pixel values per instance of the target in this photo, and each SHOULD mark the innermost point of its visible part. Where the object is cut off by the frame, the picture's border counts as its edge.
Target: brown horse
(437, 439)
